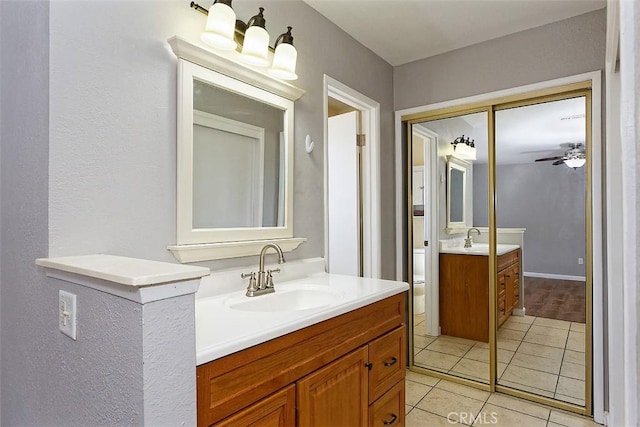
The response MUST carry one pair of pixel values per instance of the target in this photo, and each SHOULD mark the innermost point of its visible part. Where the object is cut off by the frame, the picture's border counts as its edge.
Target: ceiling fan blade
(546, 159)
(558, 162)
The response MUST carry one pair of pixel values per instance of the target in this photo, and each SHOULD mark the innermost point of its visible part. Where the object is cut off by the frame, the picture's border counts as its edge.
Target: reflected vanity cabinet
(464, 293)
(348, 370)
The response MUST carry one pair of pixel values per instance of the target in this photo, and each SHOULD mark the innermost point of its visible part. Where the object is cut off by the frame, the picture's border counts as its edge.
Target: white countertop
(221, 330)
(479, 249)
(124, 270)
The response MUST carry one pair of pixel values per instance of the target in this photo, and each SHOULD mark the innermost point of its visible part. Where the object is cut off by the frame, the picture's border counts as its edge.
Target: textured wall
(560, 49)
(549, 201)
(169, 357)
(24, 38)
(113, 108)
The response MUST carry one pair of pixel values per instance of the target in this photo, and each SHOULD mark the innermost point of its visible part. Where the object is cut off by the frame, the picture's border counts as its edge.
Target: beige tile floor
(538, 355)
(431, 402)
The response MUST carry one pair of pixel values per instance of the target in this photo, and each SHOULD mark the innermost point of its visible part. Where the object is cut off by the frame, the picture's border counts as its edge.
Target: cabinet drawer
(507, 259)
(502, 286)
(387, 362)
(389, 409)
(502, 310)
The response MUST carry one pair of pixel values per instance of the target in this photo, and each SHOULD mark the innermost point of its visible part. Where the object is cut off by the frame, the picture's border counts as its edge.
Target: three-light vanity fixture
(224, 31)
(464, 148)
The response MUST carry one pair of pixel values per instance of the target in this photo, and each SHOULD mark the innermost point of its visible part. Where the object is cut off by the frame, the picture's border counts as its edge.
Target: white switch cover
(67, 313)
(580, 261)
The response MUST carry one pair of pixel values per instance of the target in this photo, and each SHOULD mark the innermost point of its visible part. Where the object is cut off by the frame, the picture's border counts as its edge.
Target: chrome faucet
(467, 241)
(263, 284)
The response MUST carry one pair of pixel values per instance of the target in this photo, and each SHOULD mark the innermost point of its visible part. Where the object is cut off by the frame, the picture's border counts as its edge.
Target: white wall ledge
(138, 280)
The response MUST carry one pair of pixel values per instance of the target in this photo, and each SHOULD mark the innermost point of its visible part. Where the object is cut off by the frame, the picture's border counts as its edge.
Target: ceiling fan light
(220, 28)
(575, 162)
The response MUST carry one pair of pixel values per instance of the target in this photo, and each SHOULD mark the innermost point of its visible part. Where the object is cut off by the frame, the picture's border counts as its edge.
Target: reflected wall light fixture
(224, 31)
(464, 148)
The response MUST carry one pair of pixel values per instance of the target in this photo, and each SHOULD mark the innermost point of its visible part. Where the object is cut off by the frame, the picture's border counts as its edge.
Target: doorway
(358, 115)
(506, 266)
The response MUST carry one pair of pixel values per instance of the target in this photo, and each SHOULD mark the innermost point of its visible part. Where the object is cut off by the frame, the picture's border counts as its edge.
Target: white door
(343, 195)
(429, 182)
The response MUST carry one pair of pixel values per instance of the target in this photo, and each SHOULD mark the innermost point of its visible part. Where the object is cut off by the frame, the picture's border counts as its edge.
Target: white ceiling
(523, 134)
(402, 31)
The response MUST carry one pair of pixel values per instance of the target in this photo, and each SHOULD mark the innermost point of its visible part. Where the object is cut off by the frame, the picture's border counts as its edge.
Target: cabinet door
(277, 410)
(335, 395)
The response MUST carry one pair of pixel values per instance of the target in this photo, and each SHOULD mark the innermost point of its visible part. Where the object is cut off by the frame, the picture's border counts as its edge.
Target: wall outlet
(580, 261)
(67, 313)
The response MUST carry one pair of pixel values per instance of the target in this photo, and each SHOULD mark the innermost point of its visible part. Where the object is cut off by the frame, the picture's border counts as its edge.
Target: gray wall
(547, 200)
(569, 47)
(88, 166)
(113, 108)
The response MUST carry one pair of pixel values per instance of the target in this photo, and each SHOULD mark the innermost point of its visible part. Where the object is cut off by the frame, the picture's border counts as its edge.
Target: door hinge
(361, 140)
(426, 243)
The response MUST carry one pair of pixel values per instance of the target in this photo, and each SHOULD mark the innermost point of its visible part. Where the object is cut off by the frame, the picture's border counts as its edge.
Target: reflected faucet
(467, 241)
(264, 282)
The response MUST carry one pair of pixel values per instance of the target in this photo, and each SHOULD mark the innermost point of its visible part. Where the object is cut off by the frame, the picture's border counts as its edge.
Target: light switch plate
(67, 313)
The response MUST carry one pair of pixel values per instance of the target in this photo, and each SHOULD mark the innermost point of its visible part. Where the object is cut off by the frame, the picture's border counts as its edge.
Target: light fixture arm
(284, 38)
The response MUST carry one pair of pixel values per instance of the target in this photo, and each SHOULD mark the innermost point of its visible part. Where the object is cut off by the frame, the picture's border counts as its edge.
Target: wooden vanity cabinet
(464, 293)
(348, 370)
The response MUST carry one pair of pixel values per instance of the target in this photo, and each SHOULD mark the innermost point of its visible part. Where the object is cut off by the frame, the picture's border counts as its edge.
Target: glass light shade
(255, 48)
(465, 152)
(284, 62)
(220, 29)
(575, 163)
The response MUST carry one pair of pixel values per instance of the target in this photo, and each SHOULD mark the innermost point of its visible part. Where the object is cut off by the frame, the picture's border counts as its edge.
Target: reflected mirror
(456, 193)
(450, 282)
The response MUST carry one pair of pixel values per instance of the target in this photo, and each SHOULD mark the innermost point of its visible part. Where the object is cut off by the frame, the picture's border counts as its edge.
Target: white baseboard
(555, 276)
(521, 312)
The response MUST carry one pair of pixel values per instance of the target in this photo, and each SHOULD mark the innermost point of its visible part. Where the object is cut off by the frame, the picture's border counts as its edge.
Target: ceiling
(402, 31)
(523, 134)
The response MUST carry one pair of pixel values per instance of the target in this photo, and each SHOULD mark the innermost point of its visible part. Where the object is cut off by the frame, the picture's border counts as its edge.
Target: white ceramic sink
(291, 298)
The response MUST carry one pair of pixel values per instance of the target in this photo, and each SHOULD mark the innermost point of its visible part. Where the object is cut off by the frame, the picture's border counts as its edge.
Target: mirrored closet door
(500, 242)
(450, 279)
(541, 188)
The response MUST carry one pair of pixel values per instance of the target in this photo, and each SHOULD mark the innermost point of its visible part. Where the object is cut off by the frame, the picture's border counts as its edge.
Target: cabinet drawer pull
(391, 362)
(393, 419)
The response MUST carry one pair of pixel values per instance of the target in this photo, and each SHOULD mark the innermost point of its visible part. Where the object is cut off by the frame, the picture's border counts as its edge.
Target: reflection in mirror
(237, 159)
(235, 166)
(450, 283)
(537, 190)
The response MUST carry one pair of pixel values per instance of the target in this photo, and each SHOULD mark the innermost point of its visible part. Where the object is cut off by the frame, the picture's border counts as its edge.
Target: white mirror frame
(454, 162)
(195, 62)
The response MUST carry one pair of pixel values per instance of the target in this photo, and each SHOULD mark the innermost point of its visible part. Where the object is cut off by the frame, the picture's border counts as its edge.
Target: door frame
(432, 261)
(370, 113)
(597, 305)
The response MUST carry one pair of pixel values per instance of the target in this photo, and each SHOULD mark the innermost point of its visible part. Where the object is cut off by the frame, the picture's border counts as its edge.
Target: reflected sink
(298, 298)
(479, 249)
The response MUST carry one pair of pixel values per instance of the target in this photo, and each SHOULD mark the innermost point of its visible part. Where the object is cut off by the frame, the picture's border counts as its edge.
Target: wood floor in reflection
(555, 299)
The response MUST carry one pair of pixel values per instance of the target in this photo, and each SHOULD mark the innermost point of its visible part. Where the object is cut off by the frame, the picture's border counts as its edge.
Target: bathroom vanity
(464, 290)
(340, 360)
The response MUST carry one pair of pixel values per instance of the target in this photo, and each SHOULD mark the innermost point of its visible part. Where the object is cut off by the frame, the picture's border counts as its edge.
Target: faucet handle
(253, 286)
(270, 277)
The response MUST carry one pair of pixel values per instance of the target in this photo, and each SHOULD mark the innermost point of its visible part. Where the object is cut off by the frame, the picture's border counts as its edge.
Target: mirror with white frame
(235, 158)
(457, 194)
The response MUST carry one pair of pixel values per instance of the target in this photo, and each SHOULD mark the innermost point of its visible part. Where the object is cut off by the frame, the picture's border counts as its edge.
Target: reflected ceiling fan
(574, 157)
